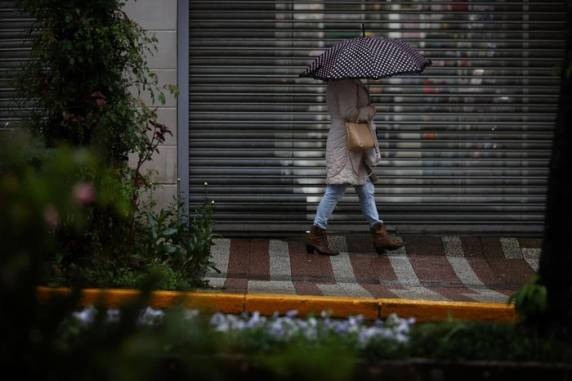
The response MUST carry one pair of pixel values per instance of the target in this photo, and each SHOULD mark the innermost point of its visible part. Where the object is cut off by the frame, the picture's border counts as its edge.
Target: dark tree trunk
(556, 259)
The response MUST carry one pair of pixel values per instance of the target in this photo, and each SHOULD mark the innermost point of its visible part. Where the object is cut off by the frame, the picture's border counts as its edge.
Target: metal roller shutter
(15, 45)
(465, 145)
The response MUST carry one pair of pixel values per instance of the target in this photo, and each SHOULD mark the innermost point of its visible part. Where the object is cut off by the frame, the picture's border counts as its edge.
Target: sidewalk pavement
(430, 268)
(432, 278)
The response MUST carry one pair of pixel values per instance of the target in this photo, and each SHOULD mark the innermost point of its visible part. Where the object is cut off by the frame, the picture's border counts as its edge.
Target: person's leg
(381, 239)
(366, 195)
(317, 240)
(333, 194)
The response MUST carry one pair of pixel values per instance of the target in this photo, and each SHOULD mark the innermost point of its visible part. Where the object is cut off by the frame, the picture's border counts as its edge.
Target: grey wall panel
(465, 145)
(15, 45)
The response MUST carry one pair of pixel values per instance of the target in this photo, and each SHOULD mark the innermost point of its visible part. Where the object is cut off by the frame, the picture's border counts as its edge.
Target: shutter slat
(15, 45)
(465, 145)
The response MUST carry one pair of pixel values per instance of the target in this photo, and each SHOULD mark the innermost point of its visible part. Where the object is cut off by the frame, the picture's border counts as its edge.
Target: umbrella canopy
(368, 58)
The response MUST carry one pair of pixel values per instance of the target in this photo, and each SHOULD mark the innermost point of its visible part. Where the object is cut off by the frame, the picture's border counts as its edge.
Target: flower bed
(275, 329)
(394, 338)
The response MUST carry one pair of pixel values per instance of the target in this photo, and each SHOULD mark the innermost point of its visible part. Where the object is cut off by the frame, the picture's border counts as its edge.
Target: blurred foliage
(307, 361)
(42, 342)
(84, 81)
(45, 191)
(86, 70)
(70, 188)
(41, 191)
(176, 253)
(483, 341)
(530, 301)
(452, 340)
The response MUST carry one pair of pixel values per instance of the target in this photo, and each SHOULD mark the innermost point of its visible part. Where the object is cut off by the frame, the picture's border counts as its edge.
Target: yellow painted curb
(204, 301)
(267, 304)
(424, 310)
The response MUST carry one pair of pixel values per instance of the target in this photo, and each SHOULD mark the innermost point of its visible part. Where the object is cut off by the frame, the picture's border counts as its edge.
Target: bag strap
(357, 102)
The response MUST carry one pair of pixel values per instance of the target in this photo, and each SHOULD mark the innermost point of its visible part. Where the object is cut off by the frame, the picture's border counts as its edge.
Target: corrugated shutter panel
(14, 48)
(465, 145)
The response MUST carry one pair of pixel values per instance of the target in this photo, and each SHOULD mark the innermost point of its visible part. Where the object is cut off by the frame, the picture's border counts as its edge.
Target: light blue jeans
(335, 192)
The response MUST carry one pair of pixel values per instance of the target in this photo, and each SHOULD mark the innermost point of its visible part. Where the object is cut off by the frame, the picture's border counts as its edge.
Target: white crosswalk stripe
(280, 267)
(344, 273)
(406, 276)
(453, 246)
(220, 253)
(271, 286)
(467, 275)
(531, 256)
(511, 248)
(344, 289)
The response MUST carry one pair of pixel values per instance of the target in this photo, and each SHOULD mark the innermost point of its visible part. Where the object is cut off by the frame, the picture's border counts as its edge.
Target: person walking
(348, 100)
(341, 66)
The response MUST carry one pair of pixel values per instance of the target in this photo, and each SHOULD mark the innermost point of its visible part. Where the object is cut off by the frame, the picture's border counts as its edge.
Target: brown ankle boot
(382, 241)
(317, 240)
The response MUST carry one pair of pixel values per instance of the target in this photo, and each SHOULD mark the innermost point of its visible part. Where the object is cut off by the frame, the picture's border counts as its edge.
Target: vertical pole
(183, 107)
(362, 29)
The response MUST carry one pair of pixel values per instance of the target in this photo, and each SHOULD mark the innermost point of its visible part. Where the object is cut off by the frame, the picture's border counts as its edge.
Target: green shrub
(87, 59)
(530, 301)
(85, 75)
(172, 242)
(463, 340)
(41, 191)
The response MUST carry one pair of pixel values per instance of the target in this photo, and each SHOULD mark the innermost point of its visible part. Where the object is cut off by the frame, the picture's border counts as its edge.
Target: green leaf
(169, 232)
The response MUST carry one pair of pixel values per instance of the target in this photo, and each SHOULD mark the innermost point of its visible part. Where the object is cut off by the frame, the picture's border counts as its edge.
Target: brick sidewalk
(448, 268)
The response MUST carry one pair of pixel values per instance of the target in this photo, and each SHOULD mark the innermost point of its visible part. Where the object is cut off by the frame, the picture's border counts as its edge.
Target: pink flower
(99, 99)
(51, 216)
(83, 193)
(100, 102)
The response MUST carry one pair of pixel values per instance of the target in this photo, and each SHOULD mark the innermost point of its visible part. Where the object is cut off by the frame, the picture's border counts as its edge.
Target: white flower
(292, 313)
(366, 334)
(85, 316)
(218, 320)
(150, 316)
(113, 315)
(312, 322)
(255, 320)
(190, 314)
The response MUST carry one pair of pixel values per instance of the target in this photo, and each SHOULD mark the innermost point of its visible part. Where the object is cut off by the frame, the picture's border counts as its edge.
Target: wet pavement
(447, 268)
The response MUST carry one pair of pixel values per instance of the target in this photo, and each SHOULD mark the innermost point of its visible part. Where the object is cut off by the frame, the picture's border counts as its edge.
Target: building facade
(465, 145)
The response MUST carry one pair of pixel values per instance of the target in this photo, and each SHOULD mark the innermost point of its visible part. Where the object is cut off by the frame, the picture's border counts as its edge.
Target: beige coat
(348, 100)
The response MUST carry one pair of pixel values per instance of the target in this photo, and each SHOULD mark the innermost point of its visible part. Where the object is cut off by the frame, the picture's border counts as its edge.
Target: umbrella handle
(363, 29)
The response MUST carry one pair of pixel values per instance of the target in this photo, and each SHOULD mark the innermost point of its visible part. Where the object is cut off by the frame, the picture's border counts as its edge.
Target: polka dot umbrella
(367, 58)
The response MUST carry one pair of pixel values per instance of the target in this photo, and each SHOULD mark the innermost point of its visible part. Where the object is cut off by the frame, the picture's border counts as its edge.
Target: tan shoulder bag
(359, 136)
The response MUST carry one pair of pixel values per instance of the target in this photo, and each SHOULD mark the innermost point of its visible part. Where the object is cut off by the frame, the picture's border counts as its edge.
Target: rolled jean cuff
(320, 224)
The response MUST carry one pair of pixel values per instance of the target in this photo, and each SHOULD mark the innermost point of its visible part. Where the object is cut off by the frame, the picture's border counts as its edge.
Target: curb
(267, 304)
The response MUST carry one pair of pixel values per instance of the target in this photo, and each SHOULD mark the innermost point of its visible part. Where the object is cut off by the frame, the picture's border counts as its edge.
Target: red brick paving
(308, 267)
(249, 260)
(237, 280)
(491, 248)
(423, 246)
(360, 243)
(472, 246)
(259, 260)
(535, 243)
(371, 271)
(512, 272)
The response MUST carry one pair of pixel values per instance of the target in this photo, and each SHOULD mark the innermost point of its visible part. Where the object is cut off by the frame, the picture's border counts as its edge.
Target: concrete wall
(160, 19)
